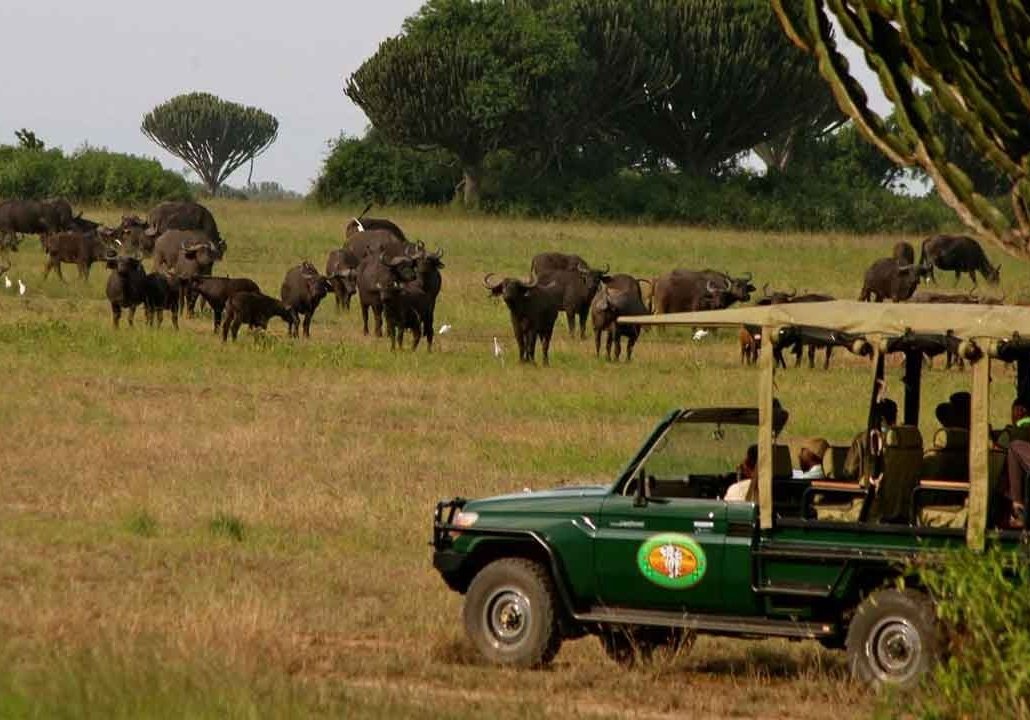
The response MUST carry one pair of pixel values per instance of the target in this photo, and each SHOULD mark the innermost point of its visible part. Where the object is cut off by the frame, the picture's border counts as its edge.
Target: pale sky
(88, 71)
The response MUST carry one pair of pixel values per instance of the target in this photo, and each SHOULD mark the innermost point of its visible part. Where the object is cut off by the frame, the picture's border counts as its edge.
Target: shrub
(228, 526)
(89, 175)
(368, 170)
(984, 601)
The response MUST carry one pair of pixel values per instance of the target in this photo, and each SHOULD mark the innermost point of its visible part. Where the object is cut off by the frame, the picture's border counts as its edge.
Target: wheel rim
(895, 650)
(507, 615)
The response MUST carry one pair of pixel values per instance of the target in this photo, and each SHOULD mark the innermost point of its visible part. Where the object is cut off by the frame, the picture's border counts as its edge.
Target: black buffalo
(126, 286)
(32, 217)
(342, 277)
(302, 292)
(161, 292)
(888, 279)
(577, 281)
(374, 273)
(76, 248)
(534, 310)
(216, 292)
(255, 309)
(690, 291)
(374, 243)
(184, 215)
(958, 253)
(620, 296)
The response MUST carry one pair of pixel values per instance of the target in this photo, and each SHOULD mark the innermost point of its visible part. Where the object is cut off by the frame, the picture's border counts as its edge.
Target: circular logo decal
(672, 561)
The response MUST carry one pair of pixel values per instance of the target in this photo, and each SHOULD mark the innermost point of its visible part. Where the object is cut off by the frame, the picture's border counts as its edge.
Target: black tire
(511, 613)
(894, 639)
(630, 646)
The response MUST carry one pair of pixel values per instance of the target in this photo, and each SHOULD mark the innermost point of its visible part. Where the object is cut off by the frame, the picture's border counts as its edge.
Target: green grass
(135, 462)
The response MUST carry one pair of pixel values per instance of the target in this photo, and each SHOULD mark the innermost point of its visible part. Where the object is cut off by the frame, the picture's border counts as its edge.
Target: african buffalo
(161, 292)
(362, 224)
(216, 291)
(405, 307)
(620, 296)
(32, 217)
(184, 215)
(77, 248)
(534, 310)
(887, 279)
(959, 253)
(126, 286)
(904, 253)
(577, 281)
(430, 282)
(377, 272)
(342, 277)
(255, 309)
(690, 291)
(374, 243)
(302, 291)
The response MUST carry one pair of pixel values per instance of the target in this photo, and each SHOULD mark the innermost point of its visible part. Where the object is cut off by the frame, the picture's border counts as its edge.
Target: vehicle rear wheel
(634, 646)
(893, 639)
(511, 615)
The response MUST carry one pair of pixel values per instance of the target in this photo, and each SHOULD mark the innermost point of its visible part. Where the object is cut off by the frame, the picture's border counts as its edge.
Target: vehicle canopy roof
(999, 322)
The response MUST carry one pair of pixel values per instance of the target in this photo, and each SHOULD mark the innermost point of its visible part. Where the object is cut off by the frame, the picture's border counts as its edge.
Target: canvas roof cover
(965, 321)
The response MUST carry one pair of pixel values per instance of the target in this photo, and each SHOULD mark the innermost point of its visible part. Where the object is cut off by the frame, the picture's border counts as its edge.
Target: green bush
(368, 170)
(89, 175)
(984, 601)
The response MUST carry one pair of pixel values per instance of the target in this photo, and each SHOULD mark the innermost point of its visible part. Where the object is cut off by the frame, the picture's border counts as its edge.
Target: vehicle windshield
(697, 460)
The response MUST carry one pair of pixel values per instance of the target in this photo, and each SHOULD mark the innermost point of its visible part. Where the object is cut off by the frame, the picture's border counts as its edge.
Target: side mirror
(640, 496)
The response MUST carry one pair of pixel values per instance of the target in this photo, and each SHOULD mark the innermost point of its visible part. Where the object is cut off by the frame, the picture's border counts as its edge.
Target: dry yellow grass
(256, 515)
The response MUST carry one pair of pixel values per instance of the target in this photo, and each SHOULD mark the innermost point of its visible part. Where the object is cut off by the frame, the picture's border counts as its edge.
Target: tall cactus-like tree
(973, 57)
(741, 82)
(215, 137)
(472, 77)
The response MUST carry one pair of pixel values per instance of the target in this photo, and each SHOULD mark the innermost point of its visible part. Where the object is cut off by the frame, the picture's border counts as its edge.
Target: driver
(746, 473)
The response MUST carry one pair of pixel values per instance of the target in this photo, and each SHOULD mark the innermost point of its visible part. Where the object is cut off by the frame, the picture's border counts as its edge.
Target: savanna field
(197, 529)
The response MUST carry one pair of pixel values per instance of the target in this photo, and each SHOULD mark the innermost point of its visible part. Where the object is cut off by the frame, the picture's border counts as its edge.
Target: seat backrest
(949, 457)
(902, 465)
(782, 465)
(833, 461)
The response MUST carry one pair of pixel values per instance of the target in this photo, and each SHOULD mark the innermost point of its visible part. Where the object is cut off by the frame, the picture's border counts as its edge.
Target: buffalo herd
(399, 281)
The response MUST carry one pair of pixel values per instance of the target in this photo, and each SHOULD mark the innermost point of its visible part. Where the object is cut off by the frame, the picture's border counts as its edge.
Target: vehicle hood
(563, 499)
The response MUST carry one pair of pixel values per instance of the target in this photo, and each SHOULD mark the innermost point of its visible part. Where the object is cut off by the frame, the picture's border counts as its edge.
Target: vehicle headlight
(465, 519)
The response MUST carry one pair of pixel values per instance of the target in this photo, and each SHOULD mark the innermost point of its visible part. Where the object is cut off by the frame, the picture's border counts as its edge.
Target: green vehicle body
(801, 579)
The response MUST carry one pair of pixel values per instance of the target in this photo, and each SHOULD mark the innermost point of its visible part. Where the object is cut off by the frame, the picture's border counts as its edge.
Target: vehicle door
(665, 551)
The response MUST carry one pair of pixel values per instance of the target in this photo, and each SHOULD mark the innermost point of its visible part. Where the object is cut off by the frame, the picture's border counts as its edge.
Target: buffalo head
(402, 267)
(124, 265)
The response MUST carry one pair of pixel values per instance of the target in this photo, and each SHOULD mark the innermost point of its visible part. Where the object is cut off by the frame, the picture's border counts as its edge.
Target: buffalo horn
(486, 282)
(793, 293)
(711, 288)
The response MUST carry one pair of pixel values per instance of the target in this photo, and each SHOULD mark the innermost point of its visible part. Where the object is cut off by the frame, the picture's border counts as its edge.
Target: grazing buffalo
(577, 281)
(620, 296)
(534, 310)
(76, 248)
(958, 253)
(405, 307)
(690, 291)
(216, 291)
(255, 309)
(126, 286)
(374, 243)
(302, 291)
(161, 292)
(32, 217)
(184, 215)
(887, 279)
(377, 272)
(342, 277)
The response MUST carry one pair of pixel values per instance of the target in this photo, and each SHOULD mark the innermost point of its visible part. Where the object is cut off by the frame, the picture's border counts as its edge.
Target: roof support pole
(912, 381)
(979, 454)
(765, 428)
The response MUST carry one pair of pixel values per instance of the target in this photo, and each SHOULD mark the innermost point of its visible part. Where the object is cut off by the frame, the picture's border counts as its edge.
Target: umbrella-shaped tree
(215, 137)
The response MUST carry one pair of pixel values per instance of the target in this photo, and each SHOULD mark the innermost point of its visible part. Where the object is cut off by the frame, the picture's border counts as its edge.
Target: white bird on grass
(701, 335)
(444, 330)
(7, 282)
(21, 287)
(498, 350)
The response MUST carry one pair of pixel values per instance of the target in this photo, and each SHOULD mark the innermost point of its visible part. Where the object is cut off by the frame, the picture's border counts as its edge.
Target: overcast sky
(78, 72)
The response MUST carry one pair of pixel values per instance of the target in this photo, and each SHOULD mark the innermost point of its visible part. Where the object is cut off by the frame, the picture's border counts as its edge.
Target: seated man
(1017, 464)
(810, 460)
(747, 471)
(885, 416)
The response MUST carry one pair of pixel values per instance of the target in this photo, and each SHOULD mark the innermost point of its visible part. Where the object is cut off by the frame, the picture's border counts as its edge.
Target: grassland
(192, 529)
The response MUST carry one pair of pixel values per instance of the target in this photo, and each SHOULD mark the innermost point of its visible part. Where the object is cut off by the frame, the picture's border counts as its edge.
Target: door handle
(638, 524)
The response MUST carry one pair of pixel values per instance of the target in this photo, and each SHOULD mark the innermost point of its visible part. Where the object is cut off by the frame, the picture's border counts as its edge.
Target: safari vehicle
(660, 554)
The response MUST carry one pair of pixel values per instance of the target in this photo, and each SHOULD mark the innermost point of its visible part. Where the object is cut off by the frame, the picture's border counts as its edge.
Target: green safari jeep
(662, 553)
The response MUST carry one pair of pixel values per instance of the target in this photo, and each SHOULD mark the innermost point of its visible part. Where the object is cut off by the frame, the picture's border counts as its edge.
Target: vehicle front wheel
(893, 639)
(511, 615)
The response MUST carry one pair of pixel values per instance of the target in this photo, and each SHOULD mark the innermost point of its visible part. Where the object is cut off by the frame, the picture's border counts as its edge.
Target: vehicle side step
(716, 624)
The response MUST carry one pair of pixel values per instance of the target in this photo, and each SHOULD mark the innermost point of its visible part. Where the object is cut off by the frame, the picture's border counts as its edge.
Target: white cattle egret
(444, 330)
(7, 282)
(700, 335)
(498, 351)
(21, 287)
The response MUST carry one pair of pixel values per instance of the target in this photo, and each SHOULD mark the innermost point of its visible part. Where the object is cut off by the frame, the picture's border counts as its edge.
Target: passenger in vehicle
(747, 471)
(1017, 464)
(885, 417)
(810, 460)
(961, 409)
